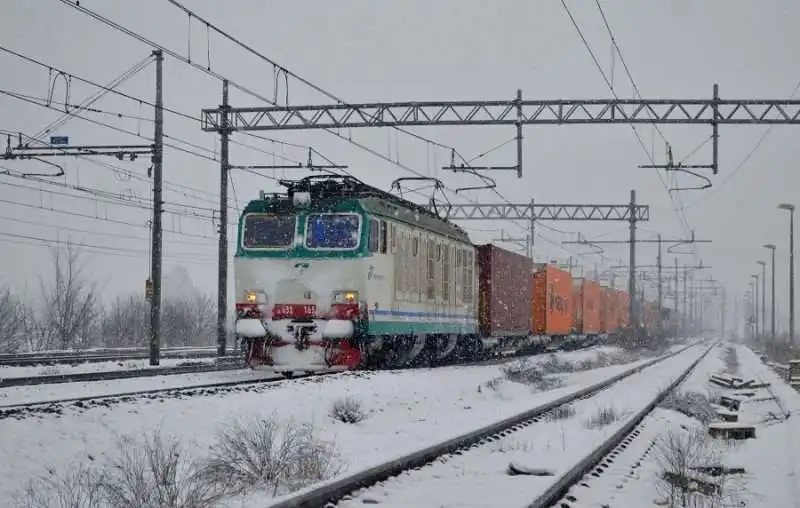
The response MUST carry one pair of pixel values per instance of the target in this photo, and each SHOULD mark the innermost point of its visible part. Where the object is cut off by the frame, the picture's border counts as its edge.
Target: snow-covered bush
(684, 457)
(157, 473)
(692, 404)
(263, 454)
(149, 473)
(347, 410)
(78, 487)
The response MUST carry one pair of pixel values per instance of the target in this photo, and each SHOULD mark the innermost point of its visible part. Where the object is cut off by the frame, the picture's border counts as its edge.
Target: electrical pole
(222, 280)
(724, 308)
(772, 248)
(660, 295)
(632, 263)
(158, 165)
(677, 295)
(763, 296)
(755, 303)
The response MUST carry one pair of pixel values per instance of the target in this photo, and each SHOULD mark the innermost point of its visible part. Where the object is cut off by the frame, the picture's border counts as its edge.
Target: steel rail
(560, 487)
(26, 409)
(329, 494)
(33, 359)
(110, 375)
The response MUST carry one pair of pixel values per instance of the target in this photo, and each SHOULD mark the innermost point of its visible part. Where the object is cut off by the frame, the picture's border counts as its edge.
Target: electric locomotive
(339, 274)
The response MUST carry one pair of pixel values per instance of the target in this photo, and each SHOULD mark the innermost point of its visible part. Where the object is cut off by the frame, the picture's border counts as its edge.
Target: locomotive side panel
(505, 292)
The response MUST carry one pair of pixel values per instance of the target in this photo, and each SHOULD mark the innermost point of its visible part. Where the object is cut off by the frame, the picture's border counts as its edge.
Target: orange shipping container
(611, 310)
(586, 305)
(552, 301)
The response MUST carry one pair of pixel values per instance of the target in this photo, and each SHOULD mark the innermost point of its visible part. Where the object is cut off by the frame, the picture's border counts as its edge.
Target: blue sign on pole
(59, 140)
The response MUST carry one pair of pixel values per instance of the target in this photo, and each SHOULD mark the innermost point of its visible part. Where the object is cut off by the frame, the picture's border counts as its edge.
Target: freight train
(337, 274)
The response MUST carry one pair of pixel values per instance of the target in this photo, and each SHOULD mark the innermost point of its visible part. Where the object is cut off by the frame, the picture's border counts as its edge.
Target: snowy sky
(393, 51)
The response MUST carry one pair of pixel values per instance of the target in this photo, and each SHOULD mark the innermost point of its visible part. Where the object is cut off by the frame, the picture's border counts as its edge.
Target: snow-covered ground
(405, 411)
(771, 460)
(44, 393)
(557, 444)
(7, 372)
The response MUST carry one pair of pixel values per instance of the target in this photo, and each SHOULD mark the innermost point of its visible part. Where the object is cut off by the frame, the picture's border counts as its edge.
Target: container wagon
(587, 304)
(552, 302)
(505, 297)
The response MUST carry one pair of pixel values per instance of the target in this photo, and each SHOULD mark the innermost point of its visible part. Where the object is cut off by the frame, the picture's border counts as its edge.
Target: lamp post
(763, 295)
(790, 208)
(771, 247)
(755, 301)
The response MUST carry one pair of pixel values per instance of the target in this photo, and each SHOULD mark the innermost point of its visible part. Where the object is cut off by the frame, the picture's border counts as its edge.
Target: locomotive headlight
(251, 296)
(345, 296)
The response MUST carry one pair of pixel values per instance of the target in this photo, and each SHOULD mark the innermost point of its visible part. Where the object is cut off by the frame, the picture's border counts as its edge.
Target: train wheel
(288, 374)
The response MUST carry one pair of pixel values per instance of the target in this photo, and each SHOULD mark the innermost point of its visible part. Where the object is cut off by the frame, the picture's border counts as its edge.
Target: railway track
(59, 406)
(345, 489)
(109, 375)
(96, 356)
(221, 364)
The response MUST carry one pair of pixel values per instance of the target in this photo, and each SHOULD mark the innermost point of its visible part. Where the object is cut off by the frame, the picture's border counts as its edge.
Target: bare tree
(189, 320)
(12, 315)
(70, 309)
(126, 323)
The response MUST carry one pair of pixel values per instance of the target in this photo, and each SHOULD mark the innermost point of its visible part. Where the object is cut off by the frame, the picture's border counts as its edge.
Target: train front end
(299, 273)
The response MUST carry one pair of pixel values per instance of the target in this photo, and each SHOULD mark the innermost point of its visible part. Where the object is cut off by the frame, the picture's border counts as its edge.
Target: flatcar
(337, 274)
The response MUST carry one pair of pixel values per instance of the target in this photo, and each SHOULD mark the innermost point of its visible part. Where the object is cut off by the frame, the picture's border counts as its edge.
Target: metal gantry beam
(559, 212)
(505, 112)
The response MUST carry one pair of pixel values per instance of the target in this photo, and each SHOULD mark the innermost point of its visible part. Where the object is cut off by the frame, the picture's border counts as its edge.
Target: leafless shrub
(604, 416)
(263, 454)
(78, 487)
(156, 474)
(347, 410)
(560, 413)
(682, 456)
(692, 404)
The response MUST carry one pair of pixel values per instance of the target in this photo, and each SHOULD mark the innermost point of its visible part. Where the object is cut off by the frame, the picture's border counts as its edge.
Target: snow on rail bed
(480, 477)
(7, 372)
(404, 411)
(771, 461)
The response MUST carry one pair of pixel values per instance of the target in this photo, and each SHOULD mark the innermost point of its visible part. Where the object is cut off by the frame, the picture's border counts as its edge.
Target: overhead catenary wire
(149, 103)
(676, 208)
(233, 84)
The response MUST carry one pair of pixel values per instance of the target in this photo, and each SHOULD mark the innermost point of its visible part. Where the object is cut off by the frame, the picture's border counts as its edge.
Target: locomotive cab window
(333, 231)
(384, 234)
(263, 231)
(374, 235)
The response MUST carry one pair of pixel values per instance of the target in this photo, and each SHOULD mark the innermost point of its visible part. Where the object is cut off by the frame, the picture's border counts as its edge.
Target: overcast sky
(393, 51)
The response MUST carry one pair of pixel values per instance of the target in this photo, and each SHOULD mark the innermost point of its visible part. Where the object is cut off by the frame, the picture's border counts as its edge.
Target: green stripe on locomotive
(377, 328)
